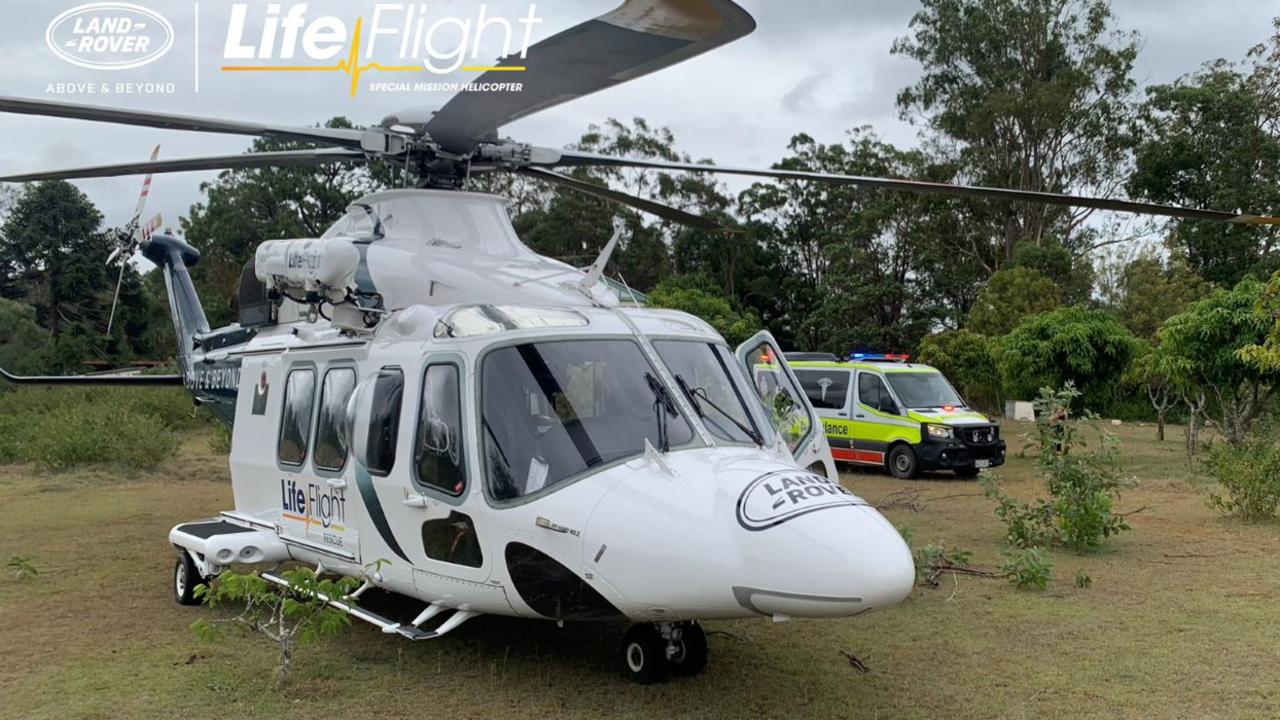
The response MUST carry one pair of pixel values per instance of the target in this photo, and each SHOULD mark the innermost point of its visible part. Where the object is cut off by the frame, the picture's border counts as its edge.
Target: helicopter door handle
(415, 501)
(337, 483)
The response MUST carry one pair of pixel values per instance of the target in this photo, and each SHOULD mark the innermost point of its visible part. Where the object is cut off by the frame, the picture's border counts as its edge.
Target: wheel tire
(644, 654)
(691, 651)
(186, 576)
(902, 462)
(967, 473)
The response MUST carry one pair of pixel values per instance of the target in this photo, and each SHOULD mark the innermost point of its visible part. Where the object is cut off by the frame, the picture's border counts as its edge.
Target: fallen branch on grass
(910, 499)
(856, 661)
(935, 571)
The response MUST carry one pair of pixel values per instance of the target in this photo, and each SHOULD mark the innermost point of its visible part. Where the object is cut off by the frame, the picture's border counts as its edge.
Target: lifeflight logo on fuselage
(314, 505)
(775, 498)
(287, 39)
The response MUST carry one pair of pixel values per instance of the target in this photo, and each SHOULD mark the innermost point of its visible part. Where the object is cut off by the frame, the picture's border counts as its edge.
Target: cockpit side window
(439, 455)
(295, 420)
(384, 421)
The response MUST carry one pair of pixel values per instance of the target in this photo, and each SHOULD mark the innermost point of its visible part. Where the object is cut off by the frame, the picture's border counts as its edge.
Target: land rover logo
(777, 497)
(109, 36)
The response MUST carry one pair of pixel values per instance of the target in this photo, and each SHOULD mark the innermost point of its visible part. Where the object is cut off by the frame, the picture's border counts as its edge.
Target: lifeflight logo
(287, 39)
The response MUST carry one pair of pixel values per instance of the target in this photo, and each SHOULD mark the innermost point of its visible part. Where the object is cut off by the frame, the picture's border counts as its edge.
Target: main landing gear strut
(653, 651)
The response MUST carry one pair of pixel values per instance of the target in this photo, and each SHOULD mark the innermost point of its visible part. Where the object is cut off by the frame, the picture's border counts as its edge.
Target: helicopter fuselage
(709, 529)
(502, 440)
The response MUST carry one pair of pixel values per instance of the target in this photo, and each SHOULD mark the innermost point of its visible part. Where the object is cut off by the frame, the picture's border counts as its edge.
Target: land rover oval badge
(775, 498)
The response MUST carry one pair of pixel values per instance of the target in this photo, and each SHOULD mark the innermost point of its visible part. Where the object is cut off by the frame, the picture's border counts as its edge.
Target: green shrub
(1028, 568)
(63, 428)
(1083, 485)
(98, 434)
(1250, 475)
(934, 559)
(1083, 580)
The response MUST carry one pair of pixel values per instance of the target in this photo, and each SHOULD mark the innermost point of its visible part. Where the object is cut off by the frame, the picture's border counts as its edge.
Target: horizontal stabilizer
(91, 380)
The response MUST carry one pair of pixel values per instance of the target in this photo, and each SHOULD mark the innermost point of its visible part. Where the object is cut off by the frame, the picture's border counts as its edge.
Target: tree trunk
(286, 663)
(1160, 426)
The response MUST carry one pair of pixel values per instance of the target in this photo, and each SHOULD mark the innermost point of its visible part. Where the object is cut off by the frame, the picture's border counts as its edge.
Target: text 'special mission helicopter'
(419, 387)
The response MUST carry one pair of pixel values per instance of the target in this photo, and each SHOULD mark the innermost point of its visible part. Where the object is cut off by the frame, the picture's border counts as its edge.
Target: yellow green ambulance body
(885, 411)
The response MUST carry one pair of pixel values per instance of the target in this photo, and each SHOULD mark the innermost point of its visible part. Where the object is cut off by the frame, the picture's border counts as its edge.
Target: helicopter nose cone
(807, 554)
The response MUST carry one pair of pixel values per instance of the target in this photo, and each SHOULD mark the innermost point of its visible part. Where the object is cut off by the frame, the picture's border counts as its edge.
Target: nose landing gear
(653, 651)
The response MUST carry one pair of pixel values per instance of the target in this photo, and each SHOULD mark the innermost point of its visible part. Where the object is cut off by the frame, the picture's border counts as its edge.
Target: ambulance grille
(980, 435)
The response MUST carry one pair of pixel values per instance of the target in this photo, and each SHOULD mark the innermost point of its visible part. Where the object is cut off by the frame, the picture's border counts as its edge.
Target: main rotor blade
(96, 113)
(576, 159)
(637, 38)
(665, 212)
(283, 158)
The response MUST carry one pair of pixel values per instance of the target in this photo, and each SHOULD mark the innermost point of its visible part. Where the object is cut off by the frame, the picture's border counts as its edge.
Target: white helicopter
(420, 401)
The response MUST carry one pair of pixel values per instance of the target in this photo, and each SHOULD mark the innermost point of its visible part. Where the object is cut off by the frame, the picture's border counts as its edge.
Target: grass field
(1181, 622)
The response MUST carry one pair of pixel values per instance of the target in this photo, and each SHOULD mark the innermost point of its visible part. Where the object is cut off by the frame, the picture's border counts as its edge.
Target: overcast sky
(818, 66)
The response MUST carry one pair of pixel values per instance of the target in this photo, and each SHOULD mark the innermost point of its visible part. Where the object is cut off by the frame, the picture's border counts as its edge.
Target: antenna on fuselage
(595, 273)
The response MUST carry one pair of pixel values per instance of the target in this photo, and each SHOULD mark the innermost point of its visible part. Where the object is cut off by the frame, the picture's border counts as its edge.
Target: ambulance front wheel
(902, 462)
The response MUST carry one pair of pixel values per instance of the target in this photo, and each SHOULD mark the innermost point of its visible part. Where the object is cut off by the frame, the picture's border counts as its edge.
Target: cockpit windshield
(707, 375)
(923, 389)
(552, 410)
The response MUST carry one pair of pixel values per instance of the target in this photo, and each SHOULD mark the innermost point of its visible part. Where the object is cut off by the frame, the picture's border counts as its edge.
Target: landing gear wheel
(644, 654)
(186, 576)
(967, 473)
(902, 462)
(690, 658)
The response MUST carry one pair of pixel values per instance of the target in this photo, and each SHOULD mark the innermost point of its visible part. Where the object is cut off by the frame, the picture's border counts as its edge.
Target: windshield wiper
(697, 396)
(662, 405)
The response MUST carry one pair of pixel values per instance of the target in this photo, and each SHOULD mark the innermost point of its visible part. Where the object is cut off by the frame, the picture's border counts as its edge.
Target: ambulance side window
(826, 389)
(384, 421)
(295, 420)
(873, 393)
(439, 459)
(331, 437)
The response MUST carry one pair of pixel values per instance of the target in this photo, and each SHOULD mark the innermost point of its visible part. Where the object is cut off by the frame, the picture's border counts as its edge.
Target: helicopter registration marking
(783, 495)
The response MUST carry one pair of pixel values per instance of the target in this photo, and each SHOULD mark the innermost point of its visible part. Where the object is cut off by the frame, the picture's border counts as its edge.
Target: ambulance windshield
(923, 389)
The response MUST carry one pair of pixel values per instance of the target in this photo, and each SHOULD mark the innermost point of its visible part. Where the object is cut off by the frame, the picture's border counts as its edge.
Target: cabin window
(384, 421)
(827, 389)
(438, 455)
(551, 411)
(295, 421)
(331, 436)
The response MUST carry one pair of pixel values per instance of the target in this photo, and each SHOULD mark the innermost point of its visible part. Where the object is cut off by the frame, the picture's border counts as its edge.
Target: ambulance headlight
(940, 431)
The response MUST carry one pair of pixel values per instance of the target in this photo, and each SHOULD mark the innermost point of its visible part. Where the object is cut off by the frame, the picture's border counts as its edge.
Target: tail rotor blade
(146, 190)
(146, 231)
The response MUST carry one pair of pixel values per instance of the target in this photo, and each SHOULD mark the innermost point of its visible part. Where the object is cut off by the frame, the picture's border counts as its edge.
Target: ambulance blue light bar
(879, 357)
